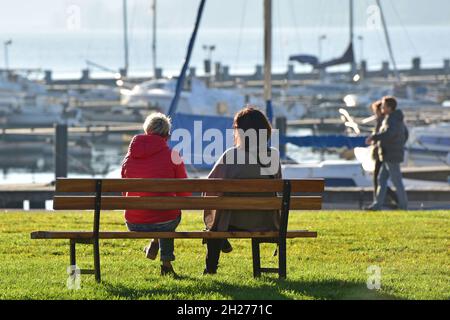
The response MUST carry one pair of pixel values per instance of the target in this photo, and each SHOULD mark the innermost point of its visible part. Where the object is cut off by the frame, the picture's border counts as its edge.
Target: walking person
(377, 111)
(390, 140)
(149, 156)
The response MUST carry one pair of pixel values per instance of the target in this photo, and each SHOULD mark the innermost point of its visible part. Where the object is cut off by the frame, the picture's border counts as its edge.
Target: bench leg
(73, 257)
(282, 259)
(97, 260)
(256, 258)
(95, 238)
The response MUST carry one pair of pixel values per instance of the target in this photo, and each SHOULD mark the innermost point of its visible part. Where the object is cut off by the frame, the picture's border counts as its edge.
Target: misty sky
(51, 15)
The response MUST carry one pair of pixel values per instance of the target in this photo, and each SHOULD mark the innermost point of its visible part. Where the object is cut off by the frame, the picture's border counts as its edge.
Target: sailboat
(25, 103)
(429, 145)
(198, 99)
(348, 57)
(195, 98)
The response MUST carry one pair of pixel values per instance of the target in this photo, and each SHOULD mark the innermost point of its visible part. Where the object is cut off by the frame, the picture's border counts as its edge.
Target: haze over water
(66, 52)
(62, 35)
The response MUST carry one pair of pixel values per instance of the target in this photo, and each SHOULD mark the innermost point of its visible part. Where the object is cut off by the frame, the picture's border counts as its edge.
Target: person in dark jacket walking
(390, 140)
(149, 156)
(376, 109)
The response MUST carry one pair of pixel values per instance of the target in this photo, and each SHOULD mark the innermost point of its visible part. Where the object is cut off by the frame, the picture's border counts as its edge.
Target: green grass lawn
(411, 248)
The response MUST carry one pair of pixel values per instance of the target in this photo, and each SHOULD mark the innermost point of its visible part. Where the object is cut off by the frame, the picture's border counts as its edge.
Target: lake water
(66, 52)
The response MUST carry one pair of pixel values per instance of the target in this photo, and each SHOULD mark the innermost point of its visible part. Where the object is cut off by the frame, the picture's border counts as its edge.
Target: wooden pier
(222, 78)
(113, 128)
(412, 118)
(433, 173)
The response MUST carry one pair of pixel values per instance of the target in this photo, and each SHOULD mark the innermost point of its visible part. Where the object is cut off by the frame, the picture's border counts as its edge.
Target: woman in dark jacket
(229, 166)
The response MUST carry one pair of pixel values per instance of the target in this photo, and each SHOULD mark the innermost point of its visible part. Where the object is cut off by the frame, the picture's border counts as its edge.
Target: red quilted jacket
(149, 156)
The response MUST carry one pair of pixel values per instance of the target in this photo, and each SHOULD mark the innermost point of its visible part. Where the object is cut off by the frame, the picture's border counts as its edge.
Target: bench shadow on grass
(264, 288)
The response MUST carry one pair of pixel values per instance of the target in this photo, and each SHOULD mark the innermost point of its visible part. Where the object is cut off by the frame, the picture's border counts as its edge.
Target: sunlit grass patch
(410, 248)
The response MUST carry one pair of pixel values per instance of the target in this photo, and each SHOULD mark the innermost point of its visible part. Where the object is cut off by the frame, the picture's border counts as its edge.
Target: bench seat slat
(175, 235)
(188, 185)
(185, 203)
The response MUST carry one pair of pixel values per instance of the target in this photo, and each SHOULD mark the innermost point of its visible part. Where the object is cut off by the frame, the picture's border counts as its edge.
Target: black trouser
(214, 247)
(390, 193)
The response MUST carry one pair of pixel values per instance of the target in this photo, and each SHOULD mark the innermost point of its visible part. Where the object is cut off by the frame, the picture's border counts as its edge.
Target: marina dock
(222, 78)
(412, 118)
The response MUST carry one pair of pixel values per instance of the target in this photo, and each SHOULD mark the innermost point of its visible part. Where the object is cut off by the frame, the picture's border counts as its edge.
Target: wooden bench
(106, 194)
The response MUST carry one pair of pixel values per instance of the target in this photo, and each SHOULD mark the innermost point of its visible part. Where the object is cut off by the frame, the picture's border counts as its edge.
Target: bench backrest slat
(186, 203)
(189, 185)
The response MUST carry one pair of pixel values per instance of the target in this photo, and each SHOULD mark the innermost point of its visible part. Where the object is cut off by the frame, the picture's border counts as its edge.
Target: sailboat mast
(154, 38)
(268, 57)
(388, 41)
(351, 20)
(125, 35)
(352, 34)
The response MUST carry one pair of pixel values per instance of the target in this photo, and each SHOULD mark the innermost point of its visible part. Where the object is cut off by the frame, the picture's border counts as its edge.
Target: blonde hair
(158, 123)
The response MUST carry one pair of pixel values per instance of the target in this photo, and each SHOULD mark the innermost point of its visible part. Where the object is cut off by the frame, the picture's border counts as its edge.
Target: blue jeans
(391, 170)
(166, 245)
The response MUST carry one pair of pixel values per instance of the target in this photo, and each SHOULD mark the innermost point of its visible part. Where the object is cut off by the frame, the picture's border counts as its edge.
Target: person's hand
(369, 140)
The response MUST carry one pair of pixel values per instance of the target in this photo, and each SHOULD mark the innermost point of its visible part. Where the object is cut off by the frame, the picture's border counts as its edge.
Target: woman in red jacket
(149, 156)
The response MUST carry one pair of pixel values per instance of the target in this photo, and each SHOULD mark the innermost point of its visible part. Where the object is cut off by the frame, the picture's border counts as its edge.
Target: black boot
(168, 271)
(209, 271)
(226, 247)
(214, 246)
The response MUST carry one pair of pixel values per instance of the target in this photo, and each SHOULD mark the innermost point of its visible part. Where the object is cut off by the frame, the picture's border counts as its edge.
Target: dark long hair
(251, 118)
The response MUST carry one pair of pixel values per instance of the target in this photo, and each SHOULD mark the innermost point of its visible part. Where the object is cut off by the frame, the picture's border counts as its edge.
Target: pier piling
(48, 77)
(385, 69)
(416, 63)
(158, 73)
(60, 155)
(447, 66)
